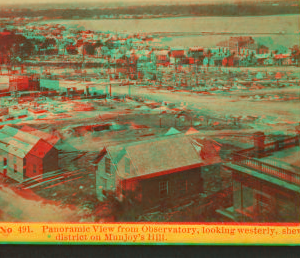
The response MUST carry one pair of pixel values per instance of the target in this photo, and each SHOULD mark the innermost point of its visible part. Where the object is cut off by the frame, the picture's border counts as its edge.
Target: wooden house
(160, 56)
(23, 155)
(196, 52)
(262, 49)
(177, 56)
(24, 83)
(262, 58)
(282, 59)
(158, 171)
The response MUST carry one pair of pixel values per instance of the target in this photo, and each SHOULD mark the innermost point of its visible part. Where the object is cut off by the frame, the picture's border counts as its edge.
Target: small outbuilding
(24, 155)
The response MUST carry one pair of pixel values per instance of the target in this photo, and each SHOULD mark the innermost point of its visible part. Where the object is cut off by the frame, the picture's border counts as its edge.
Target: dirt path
(29, 207)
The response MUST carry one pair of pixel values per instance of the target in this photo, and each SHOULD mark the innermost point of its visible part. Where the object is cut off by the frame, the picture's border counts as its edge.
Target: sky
(124, 2)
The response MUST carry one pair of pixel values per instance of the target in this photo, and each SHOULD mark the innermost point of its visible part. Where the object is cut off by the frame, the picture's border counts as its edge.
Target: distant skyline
(127, 2)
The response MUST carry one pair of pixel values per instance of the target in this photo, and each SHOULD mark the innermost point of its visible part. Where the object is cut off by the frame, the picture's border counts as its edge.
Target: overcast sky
(24, 2)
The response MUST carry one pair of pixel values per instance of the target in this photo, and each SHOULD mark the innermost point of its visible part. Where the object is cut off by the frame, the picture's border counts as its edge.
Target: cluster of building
(236, 51)
(265, 178)
(71, 40)
(161, 172)
(137, 56)
(265, 181)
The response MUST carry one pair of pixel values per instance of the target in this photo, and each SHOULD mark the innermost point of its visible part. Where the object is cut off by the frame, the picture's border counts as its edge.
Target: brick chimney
(87, 90)
(259, 143)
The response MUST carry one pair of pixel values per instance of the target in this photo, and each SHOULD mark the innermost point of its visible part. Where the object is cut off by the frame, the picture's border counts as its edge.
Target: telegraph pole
(196, 72)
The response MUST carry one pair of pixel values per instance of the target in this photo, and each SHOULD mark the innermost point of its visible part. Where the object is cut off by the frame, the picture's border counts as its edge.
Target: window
(34, 168)
(24, 165)
(107, 165)
(15, 168)
(127, 165)
(104, 183)
(281, 144)
(163, 189)
(264, 205)
(182, 186)
(4, 162)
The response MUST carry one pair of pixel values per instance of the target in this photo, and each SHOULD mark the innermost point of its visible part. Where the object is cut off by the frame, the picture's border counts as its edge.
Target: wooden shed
(23, 155)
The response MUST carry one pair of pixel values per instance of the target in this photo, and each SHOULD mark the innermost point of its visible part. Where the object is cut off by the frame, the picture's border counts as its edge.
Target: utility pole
(196, 72)
(129, 92)
(82, 54)
(106, 86)
(160, 118)
(110, 89)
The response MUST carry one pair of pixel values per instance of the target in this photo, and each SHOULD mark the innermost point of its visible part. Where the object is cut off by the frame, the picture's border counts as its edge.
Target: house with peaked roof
(24, 83)
(158, 171)
(160, 56)
(177, 55)
(262, 49)
(23, 155)
(196, 52)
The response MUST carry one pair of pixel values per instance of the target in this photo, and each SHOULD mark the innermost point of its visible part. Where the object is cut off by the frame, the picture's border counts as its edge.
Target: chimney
(259, 143)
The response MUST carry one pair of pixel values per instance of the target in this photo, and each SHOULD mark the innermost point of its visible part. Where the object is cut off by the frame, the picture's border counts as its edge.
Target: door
(4, 166)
